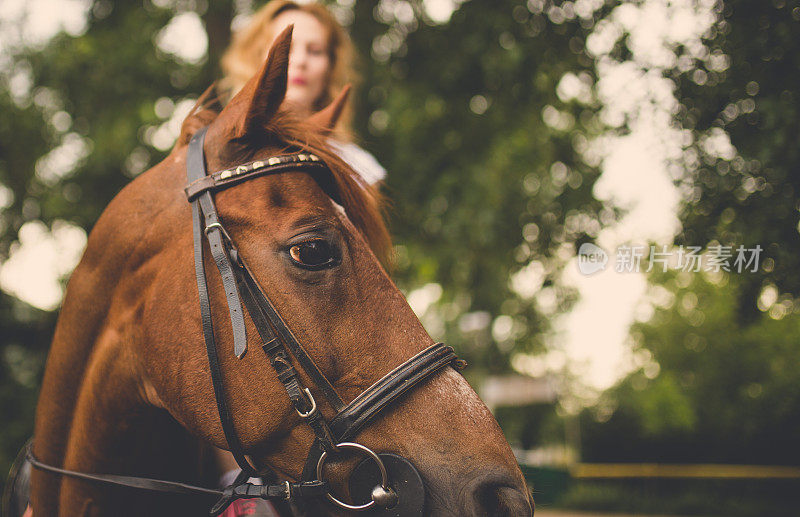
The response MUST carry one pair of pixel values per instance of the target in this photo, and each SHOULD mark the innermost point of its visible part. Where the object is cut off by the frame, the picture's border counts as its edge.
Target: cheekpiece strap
(203, 210)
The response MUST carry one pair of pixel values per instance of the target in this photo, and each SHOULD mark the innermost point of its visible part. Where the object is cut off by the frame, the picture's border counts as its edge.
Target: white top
(359, 160)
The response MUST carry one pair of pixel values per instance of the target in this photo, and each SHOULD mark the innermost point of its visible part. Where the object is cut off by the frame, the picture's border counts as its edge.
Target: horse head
(127, 387)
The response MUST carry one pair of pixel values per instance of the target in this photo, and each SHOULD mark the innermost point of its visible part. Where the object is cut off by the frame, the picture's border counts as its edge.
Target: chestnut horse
(127, 385)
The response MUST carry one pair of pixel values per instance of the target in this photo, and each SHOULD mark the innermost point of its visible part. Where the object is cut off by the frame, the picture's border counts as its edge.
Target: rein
(393, 489)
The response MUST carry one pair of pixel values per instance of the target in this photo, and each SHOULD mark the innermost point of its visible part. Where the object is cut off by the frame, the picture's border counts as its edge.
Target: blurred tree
(26, 334)
(711, 388)
(719, 360)
(490, 190)
(720, 369)
(746, 90)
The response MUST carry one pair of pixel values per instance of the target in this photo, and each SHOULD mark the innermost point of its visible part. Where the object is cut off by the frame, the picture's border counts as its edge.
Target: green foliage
(723, 390)
(748, 89)
(720, 362)
(663, 408)
(26, 333)
(456, 114)
(107, 80)
(533, 425)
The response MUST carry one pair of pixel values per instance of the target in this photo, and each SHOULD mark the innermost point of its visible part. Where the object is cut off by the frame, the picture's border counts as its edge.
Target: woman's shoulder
(359, 159)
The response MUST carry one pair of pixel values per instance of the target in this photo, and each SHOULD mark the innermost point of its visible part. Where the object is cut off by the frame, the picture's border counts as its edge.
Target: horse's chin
(484, 495)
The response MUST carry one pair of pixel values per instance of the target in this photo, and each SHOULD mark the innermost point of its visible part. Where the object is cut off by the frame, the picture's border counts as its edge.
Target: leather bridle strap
(285, 490)
(195, 165)
(224, 179)
(229, 177)
(288, 339)
(196, 168)
(300, 397)
(366, 406)
(348, 422)
(275, 334)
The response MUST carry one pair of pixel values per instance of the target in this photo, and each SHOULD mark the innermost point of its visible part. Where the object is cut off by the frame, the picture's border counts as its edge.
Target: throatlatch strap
(195, 166)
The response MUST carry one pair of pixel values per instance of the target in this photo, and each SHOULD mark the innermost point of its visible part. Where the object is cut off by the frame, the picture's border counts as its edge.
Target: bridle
(332, 437)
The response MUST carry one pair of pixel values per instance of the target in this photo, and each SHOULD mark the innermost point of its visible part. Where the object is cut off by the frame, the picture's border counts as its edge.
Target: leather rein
(282, 350)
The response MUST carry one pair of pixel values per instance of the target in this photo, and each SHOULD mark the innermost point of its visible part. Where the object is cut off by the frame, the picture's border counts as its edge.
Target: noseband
(332, 437)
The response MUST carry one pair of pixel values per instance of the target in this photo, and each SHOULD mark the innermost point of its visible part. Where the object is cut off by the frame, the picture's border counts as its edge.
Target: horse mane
(363, 203)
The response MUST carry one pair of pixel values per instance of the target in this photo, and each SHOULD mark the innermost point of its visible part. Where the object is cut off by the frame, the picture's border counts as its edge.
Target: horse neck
(93, 413)
(115, 431)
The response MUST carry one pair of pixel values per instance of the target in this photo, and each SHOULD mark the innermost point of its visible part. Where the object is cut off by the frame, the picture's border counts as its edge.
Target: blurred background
(514, 132)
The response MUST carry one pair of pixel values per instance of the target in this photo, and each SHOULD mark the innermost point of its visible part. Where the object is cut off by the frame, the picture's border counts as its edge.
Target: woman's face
(309, 62)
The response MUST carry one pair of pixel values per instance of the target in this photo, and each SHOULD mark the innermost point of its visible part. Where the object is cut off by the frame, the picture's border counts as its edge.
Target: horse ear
(327, 117)
(263, 94)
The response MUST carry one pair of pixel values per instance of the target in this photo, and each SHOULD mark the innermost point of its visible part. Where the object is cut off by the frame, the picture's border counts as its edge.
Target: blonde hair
(246, 53)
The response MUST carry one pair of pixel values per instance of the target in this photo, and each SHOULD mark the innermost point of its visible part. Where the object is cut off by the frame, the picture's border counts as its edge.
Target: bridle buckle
(310, 397)
(212, 226)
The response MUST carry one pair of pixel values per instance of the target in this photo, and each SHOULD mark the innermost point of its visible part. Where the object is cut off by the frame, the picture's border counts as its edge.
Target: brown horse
(127, 386)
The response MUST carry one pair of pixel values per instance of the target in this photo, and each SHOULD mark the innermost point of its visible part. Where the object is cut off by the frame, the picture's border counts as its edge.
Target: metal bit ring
(368, 452)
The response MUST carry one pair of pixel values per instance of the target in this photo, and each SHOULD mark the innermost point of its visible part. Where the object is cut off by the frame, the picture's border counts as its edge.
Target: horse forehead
(288, 192)
(297, 187)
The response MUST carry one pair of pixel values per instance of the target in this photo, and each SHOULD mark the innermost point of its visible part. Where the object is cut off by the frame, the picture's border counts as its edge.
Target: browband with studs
(274, 164)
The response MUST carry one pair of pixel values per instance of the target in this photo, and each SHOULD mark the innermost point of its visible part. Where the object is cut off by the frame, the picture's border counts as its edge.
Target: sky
(591, 342)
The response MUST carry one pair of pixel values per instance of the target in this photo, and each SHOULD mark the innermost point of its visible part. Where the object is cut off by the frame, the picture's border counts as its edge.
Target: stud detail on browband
(257, 165)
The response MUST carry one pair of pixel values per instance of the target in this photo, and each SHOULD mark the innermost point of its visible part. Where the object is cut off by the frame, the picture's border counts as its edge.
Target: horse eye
(315, 253)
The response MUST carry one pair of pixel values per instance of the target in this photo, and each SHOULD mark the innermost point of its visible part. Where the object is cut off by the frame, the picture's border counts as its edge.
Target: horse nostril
(499, 498)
